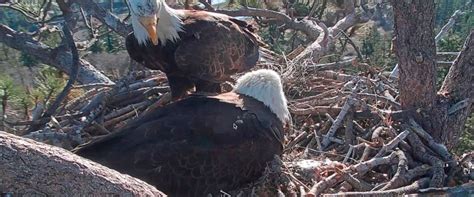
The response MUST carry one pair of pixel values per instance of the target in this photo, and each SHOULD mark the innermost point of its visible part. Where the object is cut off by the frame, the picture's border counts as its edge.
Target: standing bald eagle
(202, 144)
(194, 48)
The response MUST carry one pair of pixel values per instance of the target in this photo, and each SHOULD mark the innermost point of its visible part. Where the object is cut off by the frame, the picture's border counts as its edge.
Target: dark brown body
(198, 145)
(211, 48)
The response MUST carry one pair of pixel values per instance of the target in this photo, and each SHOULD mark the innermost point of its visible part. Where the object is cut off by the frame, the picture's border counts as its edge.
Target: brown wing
(215, 47)
(196, 146)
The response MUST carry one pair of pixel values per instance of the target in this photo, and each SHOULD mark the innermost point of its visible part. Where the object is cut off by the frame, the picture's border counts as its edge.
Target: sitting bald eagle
(201, 144)
(194, 48)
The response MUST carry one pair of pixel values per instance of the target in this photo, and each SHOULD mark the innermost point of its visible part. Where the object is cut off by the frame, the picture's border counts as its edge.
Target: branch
(339, 119)
(360, 168)
(321, 46)
(72, 79)
(53, 171)
(414, 187)
(437, 147)
(318, 48)
(393, 143)
(28, 16)
(305, 26)
(444, 30)
(420, 153)
(56, 57)
(106, 17)
(332, 65)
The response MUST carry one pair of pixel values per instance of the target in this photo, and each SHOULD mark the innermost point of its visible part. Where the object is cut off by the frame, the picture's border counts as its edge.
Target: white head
(265, 86)
(154, 20)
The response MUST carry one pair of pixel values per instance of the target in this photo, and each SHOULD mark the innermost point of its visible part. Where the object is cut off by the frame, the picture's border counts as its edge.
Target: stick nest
(349, 134)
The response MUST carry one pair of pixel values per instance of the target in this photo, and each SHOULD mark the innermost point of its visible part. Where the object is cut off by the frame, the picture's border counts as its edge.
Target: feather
(211, 47)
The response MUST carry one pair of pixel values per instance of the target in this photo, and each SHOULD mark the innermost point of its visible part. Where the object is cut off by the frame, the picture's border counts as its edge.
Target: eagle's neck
(169, 24)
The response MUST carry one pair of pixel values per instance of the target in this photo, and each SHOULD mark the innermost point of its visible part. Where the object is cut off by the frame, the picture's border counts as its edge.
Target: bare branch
(339, 120)
(306, 26)
(56, 57)
(414, 187)
(72, 78)
(106, 17)
(444, 30)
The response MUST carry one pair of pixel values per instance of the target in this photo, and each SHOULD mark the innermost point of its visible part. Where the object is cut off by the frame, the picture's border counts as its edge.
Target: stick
(360, 169)
(72, 79)
(438, 148)
(393, 143)
(358, 184)
(414, 187)
(337, 123)
(437, 180)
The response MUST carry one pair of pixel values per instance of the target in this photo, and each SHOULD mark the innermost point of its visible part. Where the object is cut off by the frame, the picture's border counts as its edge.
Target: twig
(315, 110)
(349, 152)
(57, 57)
(93, 85)
(319, 96)
(360, 169)
(349, 136)
(106, 17)
(358, 184)
(337, 123)
(351, 42)
(72, 79)
(306, 26)
(395, 104)
(316, 102)
(393, 143)
(415, 186)
(444, 30)
(331, 66)
(322, 185)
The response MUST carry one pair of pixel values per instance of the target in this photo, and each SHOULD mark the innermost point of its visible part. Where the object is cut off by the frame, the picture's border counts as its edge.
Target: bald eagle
(194, 48)
(202, 144)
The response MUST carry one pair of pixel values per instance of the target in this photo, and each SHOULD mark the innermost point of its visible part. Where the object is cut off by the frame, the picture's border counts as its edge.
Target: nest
(349, 135)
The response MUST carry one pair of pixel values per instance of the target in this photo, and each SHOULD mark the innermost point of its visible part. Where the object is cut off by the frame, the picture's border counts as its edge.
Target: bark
(459, 82)
(60, 57)
(416, 52)
(458, 91)
(442, 115)
(106, 17)
(34, 169)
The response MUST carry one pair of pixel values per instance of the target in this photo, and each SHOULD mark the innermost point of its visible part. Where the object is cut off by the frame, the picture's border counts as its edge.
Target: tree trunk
(414, 44)
(416, 52)
(34, 169)
(458, 93)
(415, 49)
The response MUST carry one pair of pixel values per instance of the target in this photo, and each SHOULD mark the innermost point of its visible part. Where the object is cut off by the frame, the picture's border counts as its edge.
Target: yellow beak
(150, 25)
